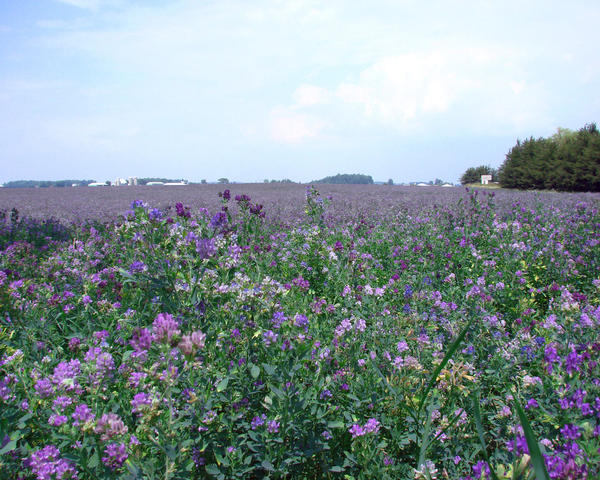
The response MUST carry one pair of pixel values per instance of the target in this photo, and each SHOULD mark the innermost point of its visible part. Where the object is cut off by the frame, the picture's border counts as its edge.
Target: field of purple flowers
(381, 332)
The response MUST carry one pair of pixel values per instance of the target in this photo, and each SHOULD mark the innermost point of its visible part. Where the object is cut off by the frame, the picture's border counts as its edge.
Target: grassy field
(288, 332)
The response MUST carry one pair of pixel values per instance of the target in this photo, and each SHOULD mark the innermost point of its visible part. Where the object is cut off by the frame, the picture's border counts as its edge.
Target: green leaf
(126, 274)
(94, 460)
(478, 425)
(277, 391)
(268, 368)
(335, 424)
(336, 469)
(171, 451)
(445, 360)
(255, 371)
(537, 460)
(10, 446)
(425, 440)
(223, 384)
(212, 469)
(267, 465)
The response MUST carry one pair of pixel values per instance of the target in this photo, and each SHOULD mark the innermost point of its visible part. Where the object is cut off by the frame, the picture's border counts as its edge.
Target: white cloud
(472, 88)
(308, 95)
(400, 90)
(517, 87)
(288, 126)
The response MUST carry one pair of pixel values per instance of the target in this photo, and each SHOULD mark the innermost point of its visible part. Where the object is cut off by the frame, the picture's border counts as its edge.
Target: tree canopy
(347, 178)
(473, 174)
(567, 161)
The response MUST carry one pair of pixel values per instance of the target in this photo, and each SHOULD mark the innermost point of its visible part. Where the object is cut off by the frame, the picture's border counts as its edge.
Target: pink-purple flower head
(165, 328)
(371, 426)
(141, 402)
(110, 425)
(47, 464)
(82, 415)
(273, 426)
(115, 455)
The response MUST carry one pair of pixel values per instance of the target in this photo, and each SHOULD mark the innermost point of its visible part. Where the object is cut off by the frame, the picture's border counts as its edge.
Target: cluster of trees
(285, 180)
(473, 174)
(568, 160)
(46, 183)
(347, 178)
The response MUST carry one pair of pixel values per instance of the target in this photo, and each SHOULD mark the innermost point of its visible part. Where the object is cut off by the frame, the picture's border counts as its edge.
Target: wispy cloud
(219, 77)
(476, 88)
(85, 4)
(286, 125)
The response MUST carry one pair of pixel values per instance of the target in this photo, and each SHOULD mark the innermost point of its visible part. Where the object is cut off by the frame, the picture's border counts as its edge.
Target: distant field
(281, 202)
(388, 332)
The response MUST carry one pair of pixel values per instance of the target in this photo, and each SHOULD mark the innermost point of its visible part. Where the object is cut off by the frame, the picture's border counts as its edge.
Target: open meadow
(284, 331)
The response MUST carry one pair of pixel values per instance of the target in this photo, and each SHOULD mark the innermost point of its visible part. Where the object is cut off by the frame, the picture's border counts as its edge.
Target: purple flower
(198, 338)
(137, 267)
(115, 455)
(402, 346)
(572, 362)
(164, 328)
(141, 339)
(219, 220)
(109, 426)
(269, 337)
(272, 426)
(356, 430)
(75, 342)
(65, 375)
(154, 214)
(531, 403)
(82, 414)
(182, 211)
(46, 464)
(551, 357)
(258, 421)
(140, 402)
(57, 420)
(372, 426)
(278, 319)
(301, 321)
(205, 247)
(570, 431)
(226, 194)
(136, 378)
(44, 387)
(326, 394)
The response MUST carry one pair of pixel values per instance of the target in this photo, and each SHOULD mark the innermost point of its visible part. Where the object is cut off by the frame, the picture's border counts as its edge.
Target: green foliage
(391, 346)
(347, 178)
(473, 174)
(567, 161)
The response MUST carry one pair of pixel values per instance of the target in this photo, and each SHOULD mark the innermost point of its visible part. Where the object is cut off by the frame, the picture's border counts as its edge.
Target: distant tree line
(347, 178)
(46, 183)
(568, 161)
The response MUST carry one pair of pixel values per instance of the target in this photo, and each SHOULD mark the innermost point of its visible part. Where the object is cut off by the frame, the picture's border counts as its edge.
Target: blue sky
(299, 89)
